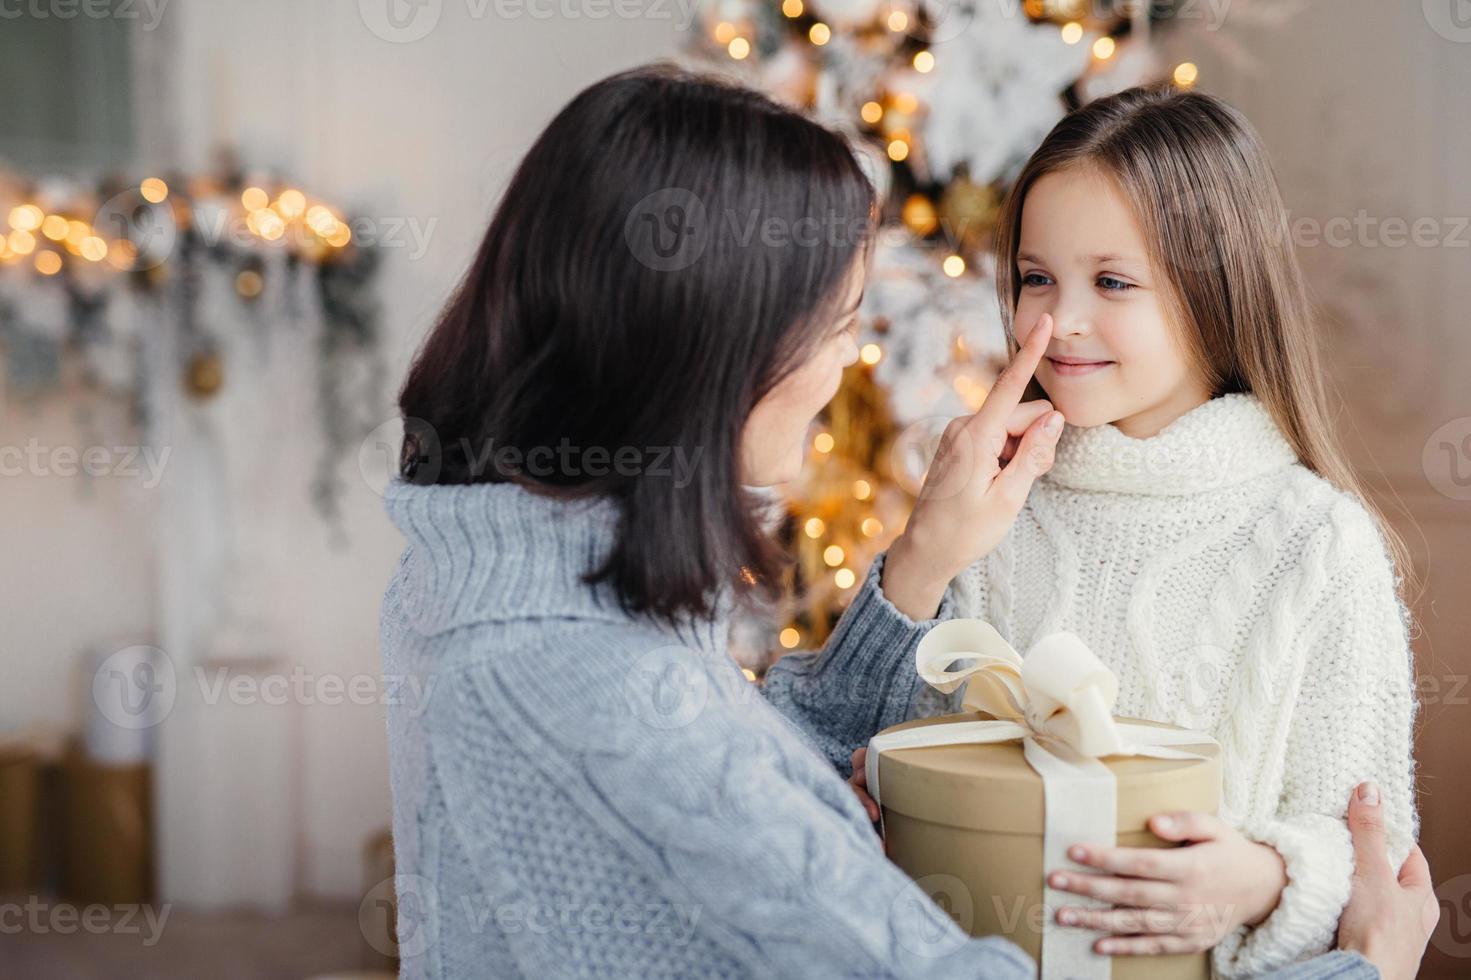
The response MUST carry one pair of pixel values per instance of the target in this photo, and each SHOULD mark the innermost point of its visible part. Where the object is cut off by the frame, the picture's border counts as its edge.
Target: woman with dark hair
(664, 300)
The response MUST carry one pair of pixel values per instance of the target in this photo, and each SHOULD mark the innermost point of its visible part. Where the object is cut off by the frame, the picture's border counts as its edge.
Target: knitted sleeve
(661, 774)
(861, 682)
(1351, 720)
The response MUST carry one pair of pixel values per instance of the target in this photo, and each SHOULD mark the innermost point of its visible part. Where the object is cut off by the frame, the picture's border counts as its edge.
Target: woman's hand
(1389, 917)
(976, 485)
(859, 782)
(1174, 900)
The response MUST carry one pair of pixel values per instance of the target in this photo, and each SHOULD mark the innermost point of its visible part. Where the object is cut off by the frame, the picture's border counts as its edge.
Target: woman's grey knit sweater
(581, 793)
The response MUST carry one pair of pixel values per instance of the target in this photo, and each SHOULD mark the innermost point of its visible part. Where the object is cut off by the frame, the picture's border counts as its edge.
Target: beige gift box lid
(991, 787)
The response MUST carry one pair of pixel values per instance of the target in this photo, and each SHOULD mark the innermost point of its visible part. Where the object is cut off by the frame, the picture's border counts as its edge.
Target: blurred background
(225, 226)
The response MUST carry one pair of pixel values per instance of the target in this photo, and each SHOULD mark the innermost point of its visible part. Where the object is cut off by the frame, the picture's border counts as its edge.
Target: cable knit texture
(1234, 591)
(584, 794)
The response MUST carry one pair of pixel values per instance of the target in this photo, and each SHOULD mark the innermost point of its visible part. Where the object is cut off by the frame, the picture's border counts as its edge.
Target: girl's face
(774, 441)
(1116, 353)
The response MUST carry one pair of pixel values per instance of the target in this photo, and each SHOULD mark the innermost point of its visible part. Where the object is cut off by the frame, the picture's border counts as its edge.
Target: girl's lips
(1066, 370)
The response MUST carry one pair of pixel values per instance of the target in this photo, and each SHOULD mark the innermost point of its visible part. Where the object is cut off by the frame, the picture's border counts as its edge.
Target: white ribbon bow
(1058, 702)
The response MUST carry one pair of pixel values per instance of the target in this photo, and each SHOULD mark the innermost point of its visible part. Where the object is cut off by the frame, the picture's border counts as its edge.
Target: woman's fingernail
(1059, 880)
(1067, 917)
(1077, 853)
(1369, 794)
(1053, 425)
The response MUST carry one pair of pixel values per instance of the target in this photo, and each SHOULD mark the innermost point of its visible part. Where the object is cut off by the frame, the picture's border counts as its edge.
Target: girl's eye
(1035, 279)
(1112, 284)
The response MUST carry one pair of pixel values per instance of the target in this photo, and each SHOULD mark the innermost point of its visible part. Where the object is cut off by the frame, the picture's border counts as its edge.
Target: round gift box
(965, 821)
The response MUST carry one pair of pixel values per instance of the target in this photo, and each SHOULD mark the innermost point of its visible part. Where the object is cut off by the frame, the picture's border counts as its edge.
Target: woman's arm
(861, 682)
(708, 803)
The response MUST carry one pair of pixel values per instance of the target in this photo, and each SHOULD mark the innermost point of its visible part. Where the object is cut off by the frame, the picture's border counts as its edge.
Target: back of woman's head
(1201, 186)
(658, 262)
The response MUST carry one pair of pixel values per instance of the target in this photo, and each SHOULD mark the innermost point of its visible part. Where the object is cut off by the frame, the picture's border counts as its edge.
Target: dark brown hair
(662, 257)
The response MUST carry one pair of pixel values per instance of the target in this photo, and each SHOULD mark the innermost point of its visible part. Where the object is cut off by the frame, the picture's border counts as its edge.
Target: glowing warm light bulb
(724, 31)
(1072, 32)
(54, 227)
(1186, 73)
(291, 203)
(823, 442)
(94, 249)
(48, 263)
(750, 674)
(154, 191)
(814, 527)
(871, 527)
(898, 150)
(862, 489)
(871, 354)
(27, 217)
(844, 578)
(738, 48)
(254, 198)
(21, 242)
(833, 555)
(820, 33)
(898, 21)
(792, 8)
(1103, 48)
(924, 62)
(790, 637)
(954, 266)
(871, 112)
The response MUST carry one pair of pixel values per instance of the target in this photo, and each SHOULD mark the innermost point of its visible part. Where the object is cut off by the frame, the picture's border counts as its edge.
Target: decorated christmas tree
(942, 101)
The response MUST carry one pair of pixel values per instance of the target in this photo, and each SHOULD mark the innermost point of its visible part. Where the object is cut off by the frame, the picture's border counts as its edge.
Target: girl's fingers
(1136, 892)
(1189, 825)
(1032, 458)
(1122, 921)
(1145, 945)
(1155, 863)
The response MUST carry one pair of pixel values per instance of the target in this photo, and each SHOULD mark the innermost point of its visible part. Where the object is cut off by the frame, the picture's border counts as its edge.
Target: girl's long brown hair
(1199, 182)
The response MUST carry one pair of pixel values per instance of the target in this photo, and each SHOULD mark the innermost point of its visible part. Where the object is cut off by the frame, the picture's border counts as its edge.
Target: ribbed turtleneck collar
(1227, 440)
(484, 553)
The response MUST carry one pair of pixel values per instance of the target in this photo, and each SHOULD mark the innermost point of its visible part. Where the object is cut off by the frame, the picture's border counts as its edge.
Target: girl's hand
(859, 782)
(975, 486)
(1174, 900)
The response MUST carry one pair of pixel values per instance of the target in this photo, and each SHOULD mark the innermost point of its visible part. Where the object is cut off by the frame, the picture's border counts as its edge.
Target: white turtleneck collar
(1225, 441)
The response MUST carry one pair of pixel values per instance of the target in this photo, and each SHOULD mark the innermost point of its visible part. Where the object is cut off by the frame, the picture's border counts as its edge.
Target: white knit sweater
(1234, 591)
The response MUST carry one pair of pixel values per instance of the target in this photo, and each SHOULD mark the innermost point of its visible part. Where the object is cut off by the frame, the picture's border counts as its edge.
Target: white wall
(426, 131)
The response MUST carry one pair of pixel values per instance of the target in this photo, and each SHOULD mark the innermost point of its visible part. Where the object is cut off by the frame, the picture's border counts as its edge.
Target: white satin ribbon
(1058, 702)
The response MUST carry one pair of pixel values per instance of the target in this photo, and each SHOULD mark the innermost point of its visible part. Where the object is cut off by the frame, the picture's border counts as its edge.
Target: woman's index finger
(1007, 392)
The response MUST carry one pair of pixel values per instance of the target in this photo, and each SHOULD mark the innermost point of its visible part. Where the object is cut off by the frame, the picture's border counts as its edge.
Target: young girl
(1198, 527)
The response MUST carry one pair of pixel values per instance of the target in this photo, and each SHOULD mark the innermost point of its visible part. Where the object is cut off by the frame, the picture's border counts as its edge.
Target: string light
(844, 578)
(906, 102)
(792, 8)
(823, 442)
(898, 150)
(924, 62)
(48, 263)
(54, 227)
(738, 48)
(93, 249)
(22, 242)
(154, 191)
(291, 204)
(898, 21)
(789, 638)
(954, 266)
(871, 112)
(26, 217)
(750, 674)
(1186, 73)
(833, 555)
(1103, 48)
(871, 354)
(724, 31)
(254, 198)
(820, 34)
(814, 527)
(862, 490)
(871, 527)
(1072, 32)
